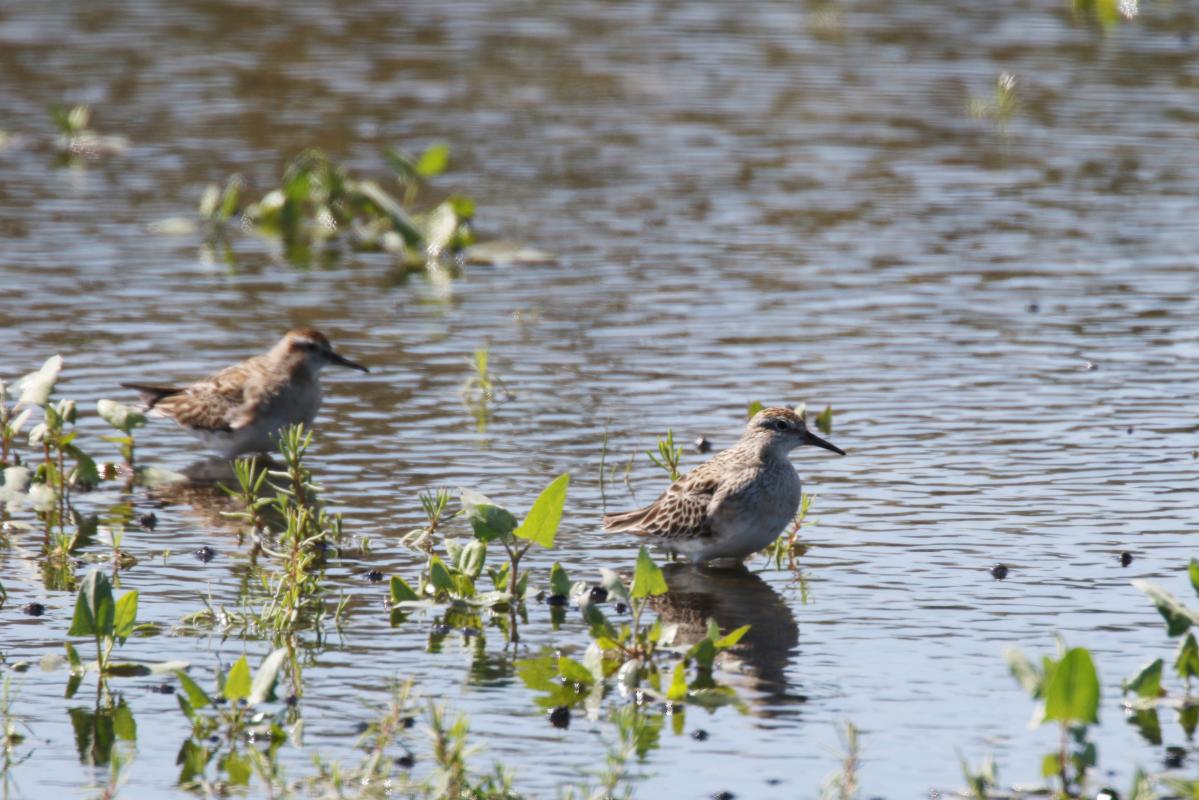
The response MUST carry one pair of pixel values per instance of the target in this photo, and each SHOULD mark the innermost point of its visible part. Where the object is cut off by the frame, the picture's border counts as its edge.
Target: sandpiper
(736, 503)
(240, 409)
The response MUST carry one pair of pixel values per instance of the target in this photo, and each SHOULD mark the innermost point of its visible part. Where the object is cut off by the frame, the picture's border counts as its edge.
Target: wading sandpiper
(735, 504)
(242, 408)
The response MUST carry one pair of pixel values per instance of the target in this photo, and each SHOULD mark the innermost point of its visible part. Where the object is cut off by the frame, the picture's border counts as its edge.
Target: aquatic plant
(107, 621)
(125, 419)
(1002, 107)
(1066, 689)
(437, 513)
(77, 139)
(484, 388)
(788, 544)
(845, 783)
(668, 456)
(1105, 12)
(320, 203)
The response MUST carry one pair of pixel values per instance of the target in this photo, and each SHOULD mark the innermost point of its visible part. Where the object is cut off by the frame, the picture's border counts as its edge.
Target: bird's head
(313, 348)
(782, 430)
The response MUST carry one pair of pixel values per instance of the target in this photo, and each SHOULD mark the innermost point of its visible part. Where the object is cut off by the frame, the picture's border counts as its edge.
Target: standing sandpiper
(242, 408)
(735, 504)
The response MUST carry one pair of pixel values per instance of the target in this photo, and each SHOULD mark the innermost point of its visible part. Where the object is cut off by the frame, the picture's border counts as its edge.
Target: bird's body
(735, 504)
(242, 408)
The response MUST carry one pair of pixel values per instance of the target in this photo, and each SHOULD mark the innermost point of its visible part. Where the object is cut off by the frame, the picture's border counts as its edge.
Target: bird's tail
(150, 394)
(626, 520)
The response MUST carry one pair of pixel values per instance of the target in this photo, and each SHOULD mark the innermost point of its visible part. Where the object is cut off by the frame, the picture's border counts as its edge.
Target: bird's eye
(781, 425)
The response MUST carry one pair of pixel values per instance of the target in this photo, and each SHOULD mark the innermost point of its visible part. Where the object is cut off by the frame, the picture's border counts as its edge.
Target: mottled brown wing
(217, 404)
(681, 511)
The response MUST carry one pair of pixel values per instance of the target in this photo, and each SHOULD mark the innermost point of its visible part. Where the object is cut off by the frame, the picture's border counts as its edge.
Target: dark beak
(811, 438)
(342, 361)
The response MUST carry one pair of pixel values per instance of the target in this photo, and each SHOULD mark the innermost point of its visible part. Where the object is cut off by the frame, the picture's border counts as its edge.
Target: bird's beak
(342, 361)
(811, 438)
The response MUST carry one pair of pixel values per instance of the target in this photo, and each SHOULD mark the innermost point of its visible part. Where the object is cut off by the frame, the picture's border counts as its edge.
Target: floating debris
(164, 688)
(598, 594)
(148, 521)
(702, 445)
(374, 576)
(1033, 308)
(1125, 558)
(205, 554)
(699, 735)
(999, 572)
(560, 717)
(557, 600)
(34, 609)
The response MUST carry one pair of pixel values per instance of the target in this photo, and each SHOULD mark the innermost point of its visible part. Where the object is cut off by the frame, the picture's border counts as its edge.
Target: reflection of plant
(221, 723)
(1067, 691)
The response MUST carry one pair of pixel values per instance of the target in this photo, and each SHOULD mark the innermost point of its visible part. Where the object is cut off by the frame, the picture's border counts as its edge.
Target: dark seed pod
(557, 600)
(205, 554)
(999, 572)
(405, 761)
(699, 735)
(164, 688)
(621, 608)
(598, 594)
(408, 722)
(723, 796)
(702, 444)
(291, 701)
(34, 609)
(1125, 558)
(1033, 308)
(560, 717)
(1175, 755)
(148, 521)
(374, 576)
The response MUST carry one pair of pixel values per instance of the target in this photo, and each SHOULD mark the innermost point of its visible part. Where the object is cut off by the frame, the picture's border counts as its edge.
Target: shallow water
(781, 202)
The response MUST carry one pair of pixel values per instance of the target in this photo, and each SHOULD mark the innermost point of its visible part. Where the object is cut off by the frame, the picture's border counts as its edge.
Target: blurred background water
(776, 201)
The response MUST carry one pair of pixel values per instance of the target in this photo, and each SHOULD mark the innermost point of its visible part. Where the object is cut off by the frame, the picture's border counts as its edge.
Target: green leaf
(120, 416)
(439, 575)
(403, 224)
(824, 420)
(559, 580)
(648, 579)
(94, 608)
(238, 683)
(401, 591)
(37, 386)
(754, 407)
(434, 160)
(678, 683)
(472, 557)
(1072, 691)
(263, 688)
(125, 617)
(1187, 662)
(1050, 765)
(237, 767)
(197, 697)
(1178, 617)
(1193, 572)
(487, 520)
(1148, 680)
(730, 639)
(538, 673)
(541, 523)
(574, 672)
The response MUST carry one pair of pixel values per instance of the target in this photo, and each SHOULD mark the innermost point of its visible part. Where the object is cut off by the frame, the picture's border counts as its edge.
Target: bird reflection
(735, 597)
